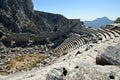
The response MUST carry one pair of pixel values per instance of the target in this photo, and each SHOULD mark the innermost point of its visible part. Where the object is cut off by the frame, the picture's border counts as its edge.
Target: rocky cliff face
(19, 16)
(15, 15)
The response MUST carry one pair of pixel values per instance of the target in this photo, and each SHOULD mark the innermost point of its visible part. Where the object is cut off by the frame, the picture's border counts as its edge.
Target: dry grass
(25, 61)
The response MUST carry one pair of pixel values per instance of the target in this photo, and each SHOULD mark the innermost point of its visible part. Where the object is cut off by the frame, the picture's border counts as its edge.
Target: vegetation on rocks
(117, 20)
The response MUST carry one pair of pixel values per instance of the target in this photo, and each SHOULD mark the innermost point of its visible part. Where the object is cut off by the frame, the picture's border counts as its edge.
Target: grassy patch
(25, 61)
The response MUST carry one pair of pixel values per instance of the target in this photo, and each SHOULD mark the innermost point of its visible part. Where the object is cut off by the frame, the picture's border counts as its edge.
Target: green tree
(117, 20)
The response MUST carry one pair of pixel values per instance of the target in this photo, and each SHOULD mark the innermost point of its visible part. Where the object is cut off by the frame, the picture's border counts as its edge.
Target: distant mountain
(98, 22)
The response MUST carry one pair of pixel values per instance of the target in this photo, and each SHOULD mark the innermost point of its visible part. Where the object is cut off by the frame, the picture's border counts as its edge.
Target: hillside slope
(19, 16)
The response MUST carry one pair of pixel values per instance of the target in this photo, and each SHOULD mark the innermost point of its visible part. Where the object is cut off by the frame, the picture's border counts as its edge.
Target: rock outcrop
(16, 14)
(111, 56)
(19, 16)
(84, 72)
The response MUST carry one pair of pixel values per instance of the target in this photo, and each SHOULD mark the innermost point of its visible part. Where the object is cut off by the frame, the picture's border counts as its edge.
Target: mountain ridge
(98, 22)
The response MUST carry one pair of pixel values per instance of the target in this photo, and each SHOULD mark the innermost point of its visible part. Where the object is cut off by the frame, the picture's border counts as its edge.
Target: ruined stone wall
(45, 36)
(26, 37)
(18, 37)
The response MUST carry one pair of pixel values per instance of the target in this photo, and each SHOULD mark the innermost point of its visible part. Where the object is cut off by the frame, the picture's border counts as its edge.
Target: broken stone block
(111, 56)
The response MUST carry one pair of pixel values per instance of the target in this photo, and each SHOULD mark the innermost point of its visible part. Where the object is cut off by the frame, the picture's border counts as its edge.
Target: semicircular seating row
(76, 41)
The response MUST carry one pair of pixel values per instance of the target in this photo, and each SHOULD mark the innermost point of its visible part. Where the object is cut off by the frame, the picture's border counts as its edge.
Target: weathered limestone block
(84, 71)
(111, 56)
(57, 74)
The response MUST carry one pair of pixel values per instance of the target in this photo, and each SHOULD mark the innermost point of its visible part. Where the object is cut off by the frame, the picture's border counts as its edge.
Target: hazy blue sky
(82, 9)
